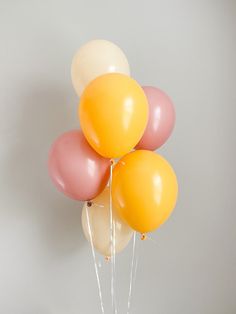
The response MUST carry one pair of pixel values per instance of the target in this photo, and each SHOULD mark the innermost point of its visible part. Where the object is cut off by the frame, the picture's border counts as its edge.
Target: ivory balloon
(95, 58)
(144, 190)
(113, 114)
(99, 221)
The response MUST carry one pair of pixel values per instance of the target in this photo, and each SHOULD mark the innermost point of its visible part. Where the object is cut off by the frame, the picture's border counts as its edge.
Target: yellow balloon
(113, 114)
(96, 219)
(144, 190)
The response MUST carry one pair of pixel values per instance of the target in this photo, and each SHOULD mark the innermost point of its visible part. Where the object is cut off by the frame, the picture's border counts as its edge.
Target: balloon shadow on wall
(47, 112)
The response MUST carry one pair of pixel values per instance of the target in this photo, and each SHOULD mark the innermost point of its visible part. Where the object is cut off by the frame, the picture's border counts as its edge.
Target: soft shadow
(47, 111)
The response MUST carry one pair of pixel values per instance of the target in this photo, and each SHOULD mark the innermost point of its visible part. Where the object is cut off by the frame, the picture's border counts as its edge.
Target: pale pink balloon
(161, 119)
(76, 169)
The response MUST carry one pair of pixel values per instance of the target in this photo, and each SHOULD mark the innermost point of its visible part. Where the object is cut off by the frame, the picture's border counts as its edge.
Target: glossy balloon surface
(161, 119)
(144, 190)
(95, 58)
(75, 168)
(113, 114)
(99, 221)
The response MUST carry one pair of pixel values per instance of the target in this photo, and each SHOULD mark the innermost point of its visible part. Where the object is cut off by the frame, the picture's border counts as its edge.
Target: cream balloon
(99, 225)
(95, 58)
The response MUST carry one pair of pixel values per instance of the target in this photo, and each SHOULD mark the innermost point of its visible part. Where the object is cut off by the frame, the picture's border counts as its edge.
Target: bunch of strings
(133, 265)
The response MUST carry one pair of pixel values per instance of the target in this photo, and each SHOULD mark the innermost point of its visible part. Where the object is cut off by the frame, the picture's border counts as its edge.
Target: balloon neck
(112, 162)
(143, 236)
(89, 203)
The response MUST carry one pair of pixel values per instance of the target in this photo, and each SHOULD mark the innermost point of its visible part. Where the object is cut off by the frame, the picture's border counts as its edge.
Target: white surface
(187, 48)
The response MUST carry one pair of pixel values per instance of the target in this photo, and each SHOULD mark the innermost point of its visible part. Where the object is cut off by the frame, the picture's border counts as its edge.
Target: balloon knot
(107, 258)
(89, 203)
(112, 161)
(143, 236)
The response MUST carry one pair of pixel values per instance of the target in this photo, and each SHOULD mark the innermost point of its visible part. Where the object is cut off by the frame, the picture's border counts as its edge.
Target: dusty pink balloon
(76, 169)
(161, 119)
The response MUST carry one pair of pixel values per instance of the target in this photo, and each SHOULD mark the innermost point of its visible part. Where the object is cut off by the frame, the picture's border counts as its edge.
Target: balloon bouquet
(122, 124)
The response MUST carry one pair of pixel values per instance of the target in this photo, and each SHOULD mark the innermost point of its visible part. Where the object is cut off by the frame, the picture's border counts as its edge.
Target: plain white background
(188, 49)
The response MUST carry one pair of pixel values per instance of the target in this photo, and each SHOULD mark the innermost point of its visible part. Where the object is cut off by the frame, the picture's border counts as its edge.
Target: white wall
(188, 49)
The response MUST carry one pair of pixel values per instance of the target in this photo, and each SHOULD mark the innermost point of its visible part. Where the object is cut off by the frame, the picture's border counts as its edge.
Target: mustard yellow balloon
(144, 190)
(113, 114)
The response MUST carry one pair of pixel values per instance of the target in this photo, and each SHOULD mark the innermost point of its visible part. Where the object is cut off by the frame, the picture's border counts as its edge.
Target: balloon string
(133, 272)
(94, 260)
(112, 247)
(114, 264)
